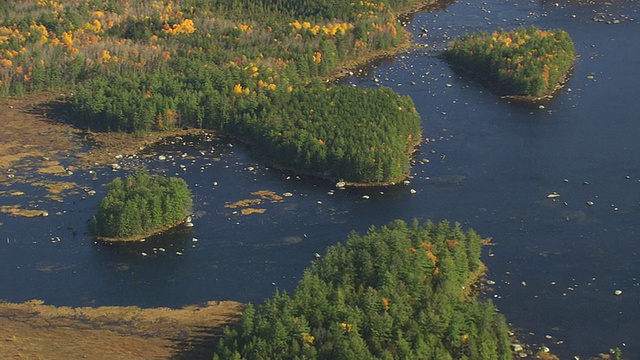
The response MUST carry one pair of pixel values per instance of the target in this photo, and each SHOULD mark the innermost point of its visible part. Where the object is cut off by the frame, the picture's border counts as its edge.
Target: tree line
(398, 292)
(228, 65)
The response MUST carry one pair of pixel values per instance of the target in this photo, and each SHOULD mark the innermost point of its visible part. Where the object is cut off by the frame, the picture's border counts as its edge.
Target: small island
(141, 205)
(525, 63)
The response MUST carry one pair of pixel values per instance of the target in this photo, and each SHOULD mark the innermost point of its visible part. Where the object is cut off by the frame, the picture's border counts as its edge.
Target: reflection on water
(488, 164)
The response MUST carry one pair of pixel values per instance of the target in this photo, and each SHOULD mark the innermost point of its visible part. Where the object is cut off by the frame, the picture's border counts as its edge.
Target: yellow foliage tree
(184, 28)
(237, 89)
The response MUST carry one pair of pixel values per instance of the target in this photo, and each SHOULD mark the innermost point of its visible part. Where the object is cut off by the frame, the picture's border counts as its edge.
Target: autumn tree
(525, 61)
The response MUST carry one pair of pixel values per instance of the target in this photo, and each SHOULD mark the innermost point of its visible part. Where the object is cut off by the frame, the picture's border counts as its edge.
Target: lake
(489, 164)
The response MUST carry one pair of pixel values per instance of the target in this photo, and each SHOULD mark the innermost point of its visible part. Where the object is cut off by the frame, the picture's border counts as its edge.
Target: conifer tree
(141, 204)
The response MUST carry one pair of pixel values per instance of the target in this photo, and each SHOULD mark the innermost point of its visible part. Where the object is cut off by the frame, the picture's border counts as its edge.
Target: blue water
(491, 164)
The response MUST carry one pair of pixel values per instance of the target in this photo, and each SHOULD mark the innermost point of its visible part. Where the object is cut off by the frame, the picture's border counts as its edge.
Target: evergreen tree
(375, 298)
(141, 204)
(248, 68)
(525, 61)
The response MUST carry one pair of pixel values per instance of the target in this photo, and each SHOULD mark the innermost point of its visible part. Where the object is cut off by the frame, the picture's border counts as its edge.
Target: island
(139, 206)
(404, 291)
(525, 63)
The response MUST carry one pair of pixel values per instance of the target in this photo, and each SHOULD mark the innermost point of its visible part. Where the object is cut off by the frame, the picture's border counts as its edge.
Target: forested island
(250, 69)
(139, 206)
(403, 291)
(526, 62)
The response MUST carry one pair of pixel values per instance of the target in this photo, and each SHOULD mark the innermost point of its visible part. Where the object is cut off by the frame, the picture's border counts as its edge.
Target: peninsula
(253, 70)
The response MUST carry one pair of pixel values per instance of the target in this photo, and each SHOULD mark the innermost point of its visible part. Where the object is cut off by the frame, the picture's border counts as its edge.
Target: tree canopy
(248, 68)
(141, 204)
(399, 292)
(524, 61)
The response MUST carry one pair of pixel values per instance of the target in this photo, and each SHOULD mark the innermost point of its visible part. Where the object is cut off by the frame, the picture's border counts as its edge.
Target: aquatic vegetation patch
(265, 195)
(57, 189)
(290, 240)
(33, 328)
(53, 168)
(268, 195)
(16, 210)
(49, 267)
(249, 211)
(242, 203)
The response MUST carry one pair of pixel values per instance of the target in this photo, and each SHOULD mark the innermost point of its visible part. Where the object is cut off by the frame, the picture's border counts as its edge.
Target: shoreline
(405, 44)
(141, 237)
(562, 81)
(414, 149)
(48, 110)
(496, 88)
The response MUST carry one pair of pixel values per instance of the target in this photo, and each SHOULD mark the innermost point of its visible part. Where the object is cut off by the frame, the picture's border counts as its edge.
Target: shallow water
(491, 166)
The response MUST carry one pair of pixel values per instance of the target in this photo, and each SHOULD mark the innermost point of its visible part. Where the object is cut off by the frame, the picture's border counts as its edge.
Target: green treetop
(523, 62)
(141, 204)
(399, 292)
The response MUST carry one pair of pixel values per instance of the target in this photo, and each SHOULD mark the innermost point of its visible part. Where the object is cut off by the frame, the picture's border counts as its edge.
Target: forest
(141, 204)
(522, 62)
(254, 70)
(403, 291)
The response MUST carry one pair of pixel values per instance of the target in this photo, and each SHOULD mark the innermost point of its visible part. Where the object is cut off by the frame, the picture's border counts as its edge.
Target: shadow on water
(175, 240)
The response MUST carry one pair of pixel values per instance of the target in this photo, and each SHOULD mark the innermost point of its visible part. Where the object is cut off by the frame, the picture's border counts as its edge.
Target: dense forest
(252, 69)
(523, 62)
(141, 204)
(399, 292)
